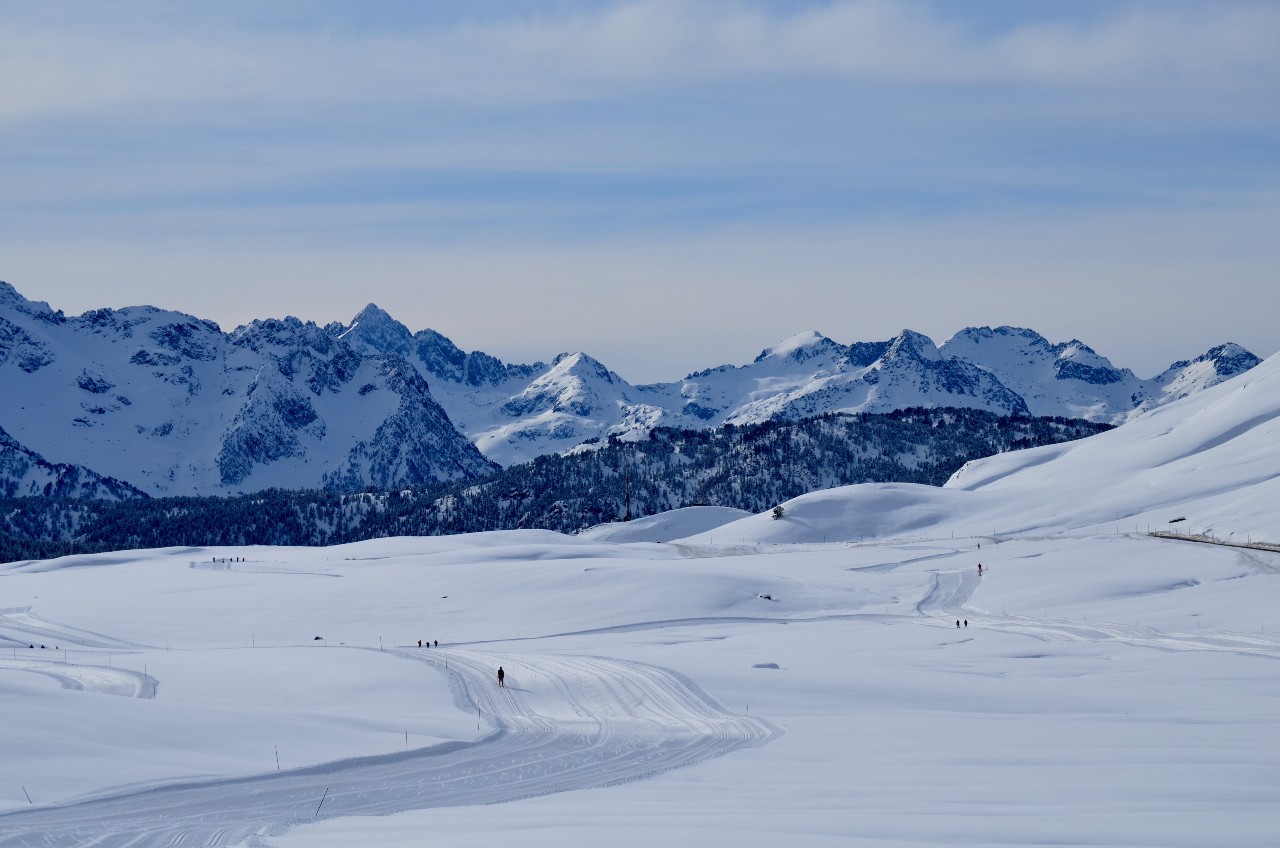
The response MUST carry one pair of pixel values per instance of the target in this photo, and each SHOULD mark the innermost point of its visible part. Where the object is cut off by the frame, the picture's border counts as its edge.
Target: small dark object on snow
(966, 622)
(957, 622)
(765, 597)
(317, 639)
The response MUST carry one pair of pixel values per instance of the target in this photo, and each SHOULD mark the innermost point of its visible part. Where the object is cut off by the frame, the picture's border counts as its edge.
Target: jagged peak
(799, 347)
(374, 327)
(580, 363)
(1227, 359)
(1079, 351)
(8, 294)
(12, 298)
(909, 343)
(372, 314)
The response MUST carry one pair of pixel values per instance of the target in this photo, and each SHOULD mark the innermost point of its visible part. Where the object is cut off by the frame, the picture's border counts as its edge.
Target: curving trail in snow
(19, 627)
(561, 723)
(89, 678)
(949, 595)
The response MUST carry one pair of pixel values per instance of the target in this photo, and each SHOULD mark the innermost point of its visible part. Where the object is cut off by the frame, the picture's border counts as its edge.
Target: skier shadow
(515, 688)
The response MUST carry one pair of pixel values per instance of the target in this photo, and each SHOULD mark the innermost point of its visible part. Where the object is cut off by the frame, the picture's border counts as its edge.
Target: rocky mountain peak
(11, 299)
(800, 348)
(374, 328)
(912, 345)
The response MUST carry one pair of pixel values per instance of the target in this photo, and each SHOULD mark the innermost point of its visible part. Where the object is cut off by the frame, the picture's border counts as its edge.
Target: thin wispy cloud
(99, 61)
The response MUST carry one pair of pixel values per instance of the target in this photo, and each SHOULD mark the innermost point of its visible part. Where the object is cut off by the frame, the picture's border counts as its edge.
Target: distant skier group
(429, 644)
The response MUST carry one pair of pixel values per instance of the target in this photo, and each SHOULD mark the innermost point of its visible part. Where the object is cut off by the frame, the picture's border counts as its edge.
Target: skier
(437, 643)
(979, 569)
(957, 622)
(419, 643)
(966, 622)
(501, 676)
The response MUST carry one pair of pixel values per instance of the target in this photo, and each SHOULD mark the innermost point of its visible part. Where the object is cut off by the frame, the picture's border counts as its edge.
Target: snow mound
(665, 526)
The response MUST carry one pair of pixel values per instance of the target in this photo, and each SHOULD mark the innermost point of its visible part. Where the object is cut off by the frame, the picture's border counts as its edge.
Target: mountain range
(166, 403)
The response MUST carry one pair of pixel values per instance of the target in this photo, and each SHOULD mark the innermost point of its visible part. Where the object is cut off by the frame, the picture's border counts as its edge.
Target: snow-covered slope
(665, 526)
(24, 473)
(1207, 463)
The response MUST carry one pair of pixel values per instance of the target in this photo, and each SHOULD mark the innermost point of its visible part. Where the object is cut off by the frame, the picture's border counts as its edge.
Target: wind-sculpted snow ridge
(561, 723)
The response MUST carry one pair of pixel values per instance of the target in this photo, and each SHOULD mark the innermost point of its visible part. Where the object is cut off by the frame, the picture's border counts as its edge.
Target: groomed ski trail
(562, 723)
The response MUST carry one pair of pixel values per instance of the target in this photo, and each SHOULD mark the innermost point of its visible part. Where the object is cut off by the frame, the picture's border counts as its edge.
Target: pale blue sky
(666, 185)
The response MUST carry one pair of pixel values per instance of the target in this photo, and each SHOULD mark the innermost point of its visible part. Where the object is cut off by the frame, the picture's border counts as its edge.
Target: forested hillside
(747, 467)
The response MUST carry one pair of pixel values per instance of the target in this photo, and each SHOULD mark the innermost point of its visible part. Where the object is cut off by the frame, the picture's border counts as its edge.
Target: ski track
(949, 595)
(562, 723)
(19, 628)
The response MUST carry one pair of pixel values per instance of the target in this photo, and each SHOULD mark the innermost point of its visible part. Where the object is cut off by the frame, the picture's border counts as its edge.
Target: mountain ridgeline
(119, 403)
(751, 467)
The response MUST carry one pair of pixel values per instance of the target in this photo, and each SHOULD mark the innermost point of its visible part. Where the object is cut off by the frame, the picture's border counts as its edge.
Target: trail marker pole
(406, 740)
(322, 797)
(24, 792)
(277, 749)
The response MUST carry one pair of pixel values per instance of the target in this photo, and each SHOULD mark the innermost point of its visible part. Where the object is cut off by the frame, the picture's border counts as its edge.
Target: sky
(665, 185)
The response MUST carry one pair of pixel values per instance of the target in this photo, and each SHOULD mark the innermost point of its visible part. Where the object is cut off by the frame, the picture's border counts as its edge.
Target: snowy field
(838, 676)
(1108, 690)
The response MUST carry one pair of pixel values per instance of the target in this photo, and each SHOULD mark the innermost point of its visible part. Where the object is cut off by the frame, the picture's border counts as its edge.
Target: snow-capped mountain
(1072, 380)
(783, 381)
(173, 405)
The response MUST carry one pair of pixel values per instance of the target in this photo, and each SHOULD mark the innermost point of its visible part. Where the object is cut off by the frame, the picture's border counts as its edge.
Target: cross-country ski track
(561, 723)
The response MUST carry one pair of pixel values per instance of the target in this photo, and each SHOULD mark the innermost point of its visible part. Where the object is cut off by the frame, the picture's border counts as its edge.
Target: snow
(666, 526)
(841, 675)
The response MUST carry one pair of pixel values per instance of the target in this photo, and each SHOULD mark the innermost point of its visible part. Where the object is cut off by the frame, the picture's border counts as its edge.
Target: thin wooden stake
(321, 804)
(277, 747)
(24, 792)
